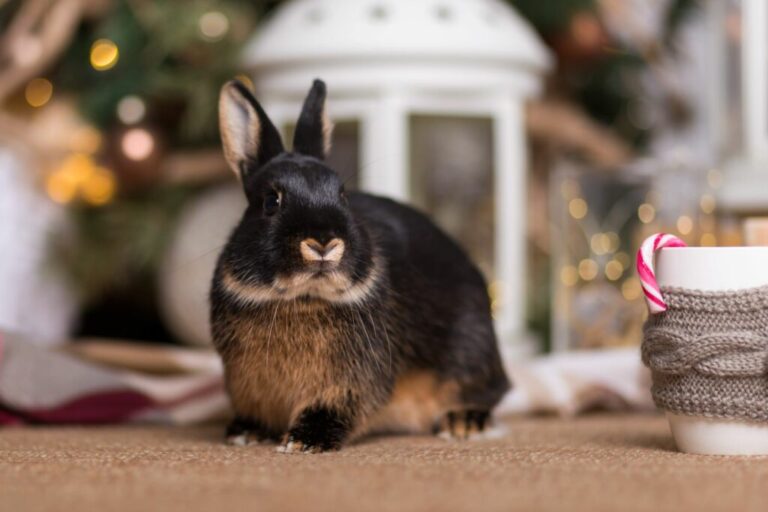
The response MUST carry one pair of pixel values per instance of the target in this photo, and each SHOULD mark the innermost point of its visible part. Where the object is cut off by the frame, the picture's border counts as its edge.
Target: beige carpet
(594, 463)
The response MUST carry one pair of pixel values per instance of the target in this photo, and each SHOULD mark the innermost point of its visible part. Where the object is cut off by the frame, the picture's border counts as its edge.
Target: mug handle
(646, 271)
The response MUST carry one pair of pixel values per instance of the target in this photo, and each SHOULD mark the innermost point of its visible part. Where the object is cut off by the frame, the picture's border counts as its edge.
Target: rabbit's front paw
(463, 424)
(244, 432)
(318, 429)
(291, 445)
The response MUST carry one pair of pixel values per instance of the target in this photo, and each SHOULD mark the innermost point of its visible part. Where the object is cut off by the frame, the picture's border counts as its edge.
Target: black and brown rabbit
(339, 314)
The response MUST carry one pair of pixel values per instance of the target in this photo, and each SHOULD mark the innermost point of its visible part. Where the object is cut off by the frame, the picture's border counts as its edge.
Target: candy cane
(647, 273)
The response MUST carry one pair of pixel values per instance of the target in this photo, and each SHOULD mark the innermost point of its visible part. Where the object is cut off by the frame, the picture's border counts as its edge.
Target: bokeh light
(708, 203)
(137, 144)
(104, 54)
(79, 176)
(38, 92)
(578, 208)
(631, 289)
(614, 270)
(131, 109)
(646, 213)
(99, 188)
(569, 275)
(684, 224)
(588, 269)
(213, 26)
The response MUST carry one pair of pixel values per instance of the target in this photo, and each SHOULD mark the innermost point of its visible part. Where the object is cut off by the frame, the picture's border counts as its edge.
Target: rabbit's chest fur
(288, 355)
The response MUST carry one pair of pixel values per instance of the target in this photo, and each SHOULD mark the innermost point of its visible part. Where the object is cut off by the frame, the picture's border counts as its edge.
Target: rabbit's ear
(247, 134)
(314, 129)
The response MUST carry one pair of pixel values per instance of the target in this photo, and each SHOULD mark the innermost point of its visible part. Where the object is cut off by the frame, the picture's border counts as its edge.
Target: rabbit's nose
(314, 251)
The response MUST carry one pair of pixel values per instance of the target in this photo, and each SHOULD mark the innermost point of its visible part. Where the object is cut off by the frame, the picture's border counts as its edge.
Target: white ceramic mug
(715, 269)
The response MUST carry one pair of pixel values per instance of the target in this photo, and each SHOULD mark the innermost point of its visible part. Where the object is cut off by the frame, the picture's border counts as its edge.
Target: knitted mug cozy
(708, 353)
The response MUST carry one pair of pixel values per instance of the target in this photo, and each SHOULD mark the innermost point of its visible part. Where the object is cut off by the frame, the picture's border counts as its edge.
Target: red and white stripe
(645, 268)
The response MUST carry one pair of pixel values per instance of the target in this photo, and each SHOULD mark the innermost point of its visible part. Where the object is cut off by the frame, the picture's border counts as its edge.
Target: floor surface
(593, 463)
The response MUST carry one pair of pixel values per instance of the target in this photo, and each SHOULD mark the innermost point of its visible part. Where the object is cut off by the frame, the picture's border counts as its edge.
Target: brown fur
(419, 401)
(281, 363)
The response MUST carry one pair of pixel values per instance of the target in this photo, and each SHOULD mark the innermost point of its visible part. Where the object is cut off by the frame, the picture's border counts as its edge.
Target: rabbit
(340, 314)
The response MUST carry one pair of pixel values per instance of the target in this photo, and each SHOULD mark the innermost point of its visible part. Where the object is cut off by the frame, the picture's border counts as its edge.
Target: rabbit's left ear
(314, 129)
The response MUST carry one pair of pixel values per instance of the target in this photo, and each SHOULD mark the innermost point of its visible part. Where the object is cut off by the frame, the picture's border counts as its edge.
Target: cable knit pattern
(708, 353)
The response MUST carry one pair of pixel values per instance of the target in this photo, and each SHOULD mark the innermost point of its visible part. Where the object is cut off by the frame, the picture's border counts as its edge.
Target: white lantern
(739, 100)
(403, 73)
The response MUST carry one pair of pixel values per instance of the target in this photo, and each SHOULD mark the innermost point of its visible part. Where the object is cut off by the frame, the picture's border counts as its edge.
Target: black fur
(320, 429)
(426, 311)
(309, 138)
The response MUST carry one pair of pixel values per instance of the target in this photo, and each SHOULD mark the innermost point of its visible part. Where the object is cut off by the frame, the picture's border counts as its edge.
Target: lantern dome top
(318, 32)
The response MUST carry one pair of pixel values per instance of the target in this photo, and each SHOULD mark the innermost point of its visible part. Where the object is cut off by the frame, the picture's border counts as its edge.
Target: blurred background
(548, 137)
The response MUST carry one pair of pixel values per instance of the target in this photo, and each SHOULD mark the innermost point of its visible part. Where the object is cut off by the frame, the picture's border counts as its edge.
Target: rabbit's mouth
(321, 282)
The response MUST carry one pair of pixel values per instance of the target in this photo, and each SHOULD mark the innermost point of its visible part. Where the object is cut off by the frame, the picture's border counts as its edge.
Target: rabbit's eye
(272, 202)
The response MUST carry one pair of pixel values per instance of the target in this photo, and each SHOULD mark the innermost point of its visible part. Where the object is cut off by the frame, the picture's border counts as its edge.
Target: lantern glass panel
(451, 178)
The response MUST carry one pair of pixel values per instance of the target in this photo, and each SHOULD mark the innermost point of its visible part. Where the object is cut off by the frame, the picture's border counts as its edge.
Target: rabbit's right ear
(249, 138)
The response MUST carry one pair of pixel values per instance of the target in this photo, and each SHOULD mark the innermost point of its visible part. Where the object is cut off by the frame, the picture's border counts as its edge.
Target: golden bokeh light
(604, 243)
(646, 213)
(79, 177)
(104, 54)
(684, 224)
(61, 187)
(99, 188)
(578, 208)
(588, 269)
(569, 276)
(38, 92)
(614, 270)
(708, 203)
(631, 289)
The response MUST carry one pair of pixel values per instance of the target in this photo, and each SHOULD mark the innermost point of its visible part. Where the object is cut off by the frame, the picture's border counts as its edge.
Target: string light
(137, 144)
(38, 92)
(104, 54)
(578, 208)
(213, 26)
